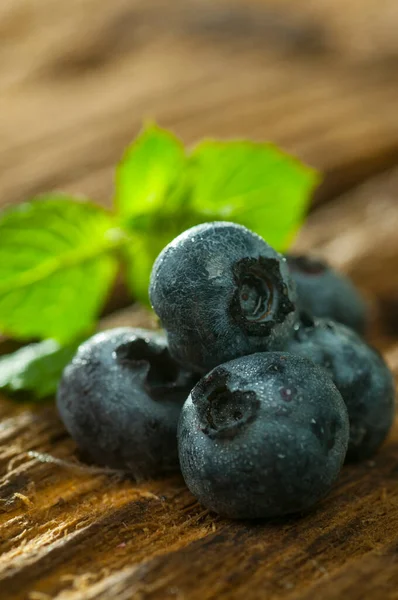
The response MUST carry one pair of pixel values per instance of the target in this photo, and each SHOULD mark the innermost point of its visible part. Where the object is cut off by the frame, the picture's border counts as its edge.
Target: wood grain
(70, 533)
(318, 78)
(76, 83)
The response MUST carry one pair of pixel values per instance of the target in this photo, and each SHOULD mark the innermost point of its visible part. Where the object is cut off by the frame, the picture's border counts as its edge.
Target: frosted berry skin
(263, 435)
(221, 292)
(359, 373)
(323, 292)
(120, 399)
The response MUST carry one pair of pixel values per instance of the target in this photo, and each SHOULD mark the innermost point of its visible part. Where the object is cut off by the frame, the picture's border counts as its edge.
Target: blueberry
(325, 293)
(262, 435)
(120, 399)
(359, 373)
(221, 292)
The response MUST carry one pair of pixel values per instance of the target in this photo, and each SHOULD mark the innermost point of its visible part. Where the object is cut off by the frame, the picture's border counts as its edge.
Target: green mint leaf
(56, 267)
(139, 257)
(153, 231)
(148, 169)
(35, 369)
(254, 184)
(160, 192)
(147, 242)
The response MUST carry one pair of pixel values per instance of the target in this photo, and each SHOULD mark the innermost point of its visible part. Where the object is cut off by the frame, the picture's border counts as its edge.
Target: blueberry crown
(261, 298)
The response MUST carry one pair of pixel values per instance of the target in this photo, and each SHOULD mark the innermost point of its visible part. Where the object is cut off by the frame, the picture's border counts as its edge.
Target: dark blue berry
(221, 292)
(120, 399)
(359, 373)
(323, 292)
(263, 435)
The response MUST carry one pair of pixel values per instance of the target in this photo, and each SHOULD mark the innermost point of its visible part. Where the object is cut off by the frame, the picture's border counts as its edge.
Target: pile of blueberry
(262, 369)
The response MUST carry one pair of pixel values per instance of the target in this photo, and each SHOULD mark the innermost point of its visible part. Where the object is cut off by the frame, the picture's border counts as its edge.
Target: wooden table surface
(320, 79)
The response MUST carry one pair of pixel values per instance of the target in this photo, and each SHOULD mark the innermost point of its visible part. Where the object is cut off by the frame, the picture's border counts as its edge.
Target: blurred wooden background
(321, 80)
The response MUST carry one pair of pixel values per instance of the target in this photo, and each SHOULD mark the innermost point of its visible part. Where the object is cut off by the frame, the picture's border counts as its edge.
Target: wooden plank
(317, 78)
(362, 33)
(73, 534)
(76, 83)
